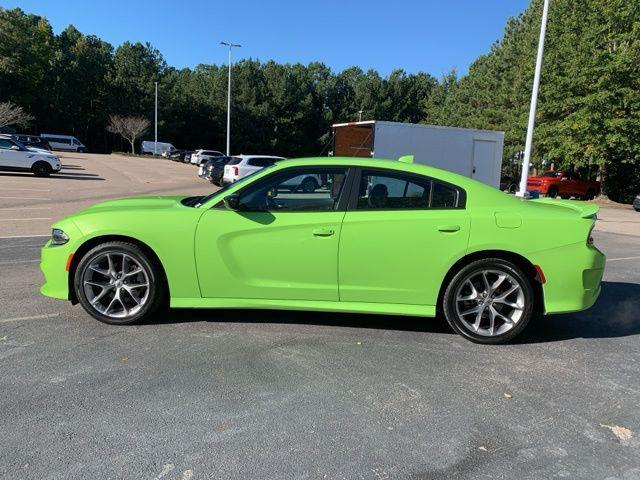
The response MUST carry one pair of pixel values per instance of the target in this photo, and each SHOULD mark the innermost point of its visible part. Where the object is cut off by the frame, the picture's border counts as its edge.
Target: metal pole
(229, 107)
(534, 102)
(359, 115)
(155, 145)
(230, 46)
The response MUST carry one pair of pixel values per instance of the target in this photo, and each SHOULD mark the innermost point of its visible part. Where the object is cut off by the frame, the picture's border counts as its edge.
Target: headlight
(58, 237)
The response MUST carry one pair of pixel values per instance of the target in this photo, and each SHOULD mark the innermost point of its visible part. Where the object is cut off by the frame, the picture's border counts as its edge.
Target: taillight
(235, 170)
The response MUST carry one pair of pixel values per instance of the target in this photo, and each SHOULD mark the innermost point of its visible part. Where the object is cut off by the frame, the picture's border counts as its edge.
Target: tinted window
(6, 144)
(310, 190)
(444, 196)
(235, 161)
(260, 162)
(392, 191)
(60, 140)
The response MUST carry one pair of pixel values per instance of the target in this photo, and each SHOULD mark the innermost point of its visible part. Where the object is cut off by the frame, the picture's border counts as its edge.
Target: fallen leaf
(507, 395)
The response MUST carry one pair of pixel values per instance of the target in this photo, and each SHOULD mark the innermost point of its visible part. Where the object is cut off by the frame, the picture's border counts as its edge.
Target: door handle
(448, 228)
(323, 232)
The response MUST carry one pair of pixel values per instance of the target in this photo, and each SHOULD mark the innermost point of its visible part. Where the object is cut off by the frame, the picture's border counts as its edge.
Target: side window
(6, 144)
(260, 162)
(297, 190)
(444, 196)
(392, 191)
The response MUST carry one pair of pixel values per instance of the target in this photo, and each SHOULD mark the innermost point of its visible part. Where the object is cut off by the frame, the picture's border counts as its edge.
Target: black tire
(41, 169)
(513, 188)
(309, 185)
(552, 192)
(157, 291)
(590, 195)
(494, 264)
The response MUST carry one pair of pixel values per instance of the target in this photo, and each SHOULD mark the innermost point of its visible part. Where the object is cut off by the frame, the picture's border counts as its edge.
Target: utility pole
(230, 46)
(155, 144)
(534, 103)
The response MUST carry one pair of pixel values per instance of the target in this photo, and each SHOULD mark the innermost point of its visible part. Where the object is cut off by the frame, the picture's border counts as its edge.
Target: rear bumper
(573, 275)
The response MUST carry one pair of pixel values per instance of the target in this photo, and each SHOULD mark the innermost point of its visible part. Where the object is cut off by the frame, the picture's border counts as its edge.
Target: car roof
(244, 156)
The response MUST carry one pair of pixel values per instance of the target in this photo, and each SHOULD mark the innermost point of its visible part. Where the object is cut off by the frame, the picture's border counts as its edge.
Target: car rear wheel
(489, 301)
(41, 169)
(590, 195)
(309, 185)
(117, 283)
(552, 192)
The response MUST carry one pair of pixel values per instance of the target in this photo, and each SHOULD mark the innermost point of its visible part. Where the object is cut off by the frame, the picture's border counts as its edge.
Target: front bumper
(53, 263)
(573, 275)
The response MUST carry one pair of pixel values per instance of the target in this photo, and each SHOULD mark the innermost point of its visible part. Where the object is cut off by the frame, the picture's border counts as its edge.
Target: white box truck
(473, 153)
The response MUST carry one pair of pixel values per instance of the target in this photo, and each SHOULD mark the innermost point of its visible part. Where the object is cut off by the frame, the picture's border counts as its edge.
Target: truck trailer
(473, 153)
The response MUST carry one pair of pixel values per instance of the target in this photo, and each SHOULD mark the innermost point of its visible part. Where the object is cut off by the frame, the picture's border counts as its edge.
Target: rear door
(400, 235)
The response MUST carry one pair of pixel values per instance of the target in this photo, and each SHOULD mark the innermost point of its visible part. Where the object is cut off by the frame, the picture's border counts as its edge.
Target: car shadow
(61, 175)
(614, 315)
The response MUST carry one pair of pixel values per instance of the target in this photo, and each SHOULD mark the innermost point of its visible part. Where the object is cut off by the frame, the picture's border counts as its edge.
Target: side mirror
(232, 202)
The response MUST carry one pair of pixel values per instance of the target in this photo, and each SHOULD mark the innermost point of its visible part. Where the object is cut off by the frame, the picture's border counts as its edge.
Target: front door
(282, 243)
(11, 155)
(400, 237)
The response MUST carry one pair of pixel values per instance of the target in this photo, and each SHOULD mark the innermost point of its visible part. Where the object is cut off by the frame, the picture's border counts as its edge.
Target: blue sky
(431, 36)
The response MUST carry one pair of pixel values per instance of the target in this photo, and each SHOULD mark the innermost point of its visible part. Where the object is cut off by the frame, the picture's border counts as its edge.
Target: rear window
(235, 161)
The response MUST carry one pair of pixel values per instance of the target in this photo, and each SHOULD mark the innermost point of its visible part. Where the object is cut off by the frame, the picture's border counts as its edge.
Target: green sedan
(335, 235)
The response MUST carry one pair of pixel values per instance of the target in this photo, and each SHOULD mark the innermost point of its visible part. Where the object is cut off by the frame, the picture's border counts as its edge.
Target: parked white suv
(242, 165)
(14, 156)
(200, 156)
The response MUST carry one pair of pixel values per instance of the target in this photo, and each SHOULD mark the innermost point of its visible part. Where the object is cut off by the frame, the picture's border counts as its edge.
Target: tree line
(588, 114)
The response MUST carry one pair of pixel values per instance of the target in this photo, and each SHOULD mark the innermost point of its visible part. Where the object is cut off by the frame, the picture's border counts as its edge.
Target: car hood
(39, 150)
(135, 203)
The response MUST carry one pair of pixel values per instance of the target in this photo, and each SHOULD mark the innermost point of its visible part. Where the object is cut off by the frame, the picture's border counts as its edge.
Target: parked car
(201, 156)
(213, 169)
(159, 148)
(15, 156)
(379, 237)
(564, 184)
(67, 143)
(636, 203)
(32, 141)
(509, 184)
(178, 155)
(241, 166)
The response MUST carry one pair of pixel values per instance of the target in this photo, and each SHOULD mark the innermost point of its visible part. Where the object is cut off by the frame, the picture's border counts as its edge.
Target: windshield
(551, 174)
(228, 186)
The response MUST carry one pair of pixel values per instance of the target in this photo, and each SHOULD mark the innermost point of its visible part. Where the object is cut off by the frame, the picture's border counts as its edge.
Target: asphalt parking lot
(282, 395)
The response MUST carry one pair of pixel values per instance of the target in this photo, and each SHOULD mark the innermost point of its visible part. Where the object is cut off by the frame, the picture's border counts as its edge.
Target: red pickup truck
(563, 184)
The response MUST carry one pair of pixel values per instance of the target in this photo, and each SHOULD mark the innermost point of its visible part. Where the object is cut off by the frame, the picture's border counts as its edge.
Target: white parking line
(18, 262)
(623, 258)
(34, 317)
(26, 236)
(23, 219)
(27, 198)
(25, 208)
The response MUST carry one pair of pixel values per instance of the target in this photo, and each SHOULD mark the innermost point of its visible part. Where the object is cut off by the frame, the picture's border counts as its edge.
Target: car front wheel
(489, 301)
(41, 169)
(117, 283)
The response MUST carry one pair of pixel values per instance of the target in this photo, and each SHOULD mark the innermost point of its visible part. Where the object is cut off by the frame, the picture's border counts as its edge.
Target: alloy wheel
(489, 302)
(116, 284)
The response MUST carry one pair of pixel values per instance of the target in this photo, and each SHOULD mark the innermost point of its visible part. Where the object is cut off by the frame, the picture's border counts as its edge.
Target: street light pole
(534, 102)
(155, 144)
(230, 46)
